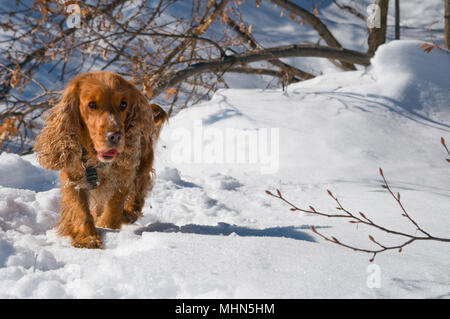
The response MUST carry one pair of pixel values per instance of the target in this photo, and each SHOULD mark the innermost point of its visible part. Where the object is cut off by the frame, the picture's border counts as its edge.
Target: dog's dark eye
(92, 105)
(123, 105)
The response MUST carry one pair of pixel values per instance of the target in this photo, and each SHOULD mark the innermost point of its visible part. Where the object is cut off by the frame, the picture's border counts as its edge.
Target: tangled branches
(361, 218)
(178, 52)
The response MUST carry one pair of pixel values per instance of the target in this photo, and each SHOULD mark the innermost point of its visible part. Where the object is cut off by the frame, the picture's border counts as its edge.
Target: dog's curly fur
(73, 125)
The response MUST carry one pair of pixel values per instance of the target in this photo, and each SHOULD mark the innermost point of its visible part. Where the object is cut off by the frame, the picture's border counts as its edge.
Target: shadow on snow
(292, 232)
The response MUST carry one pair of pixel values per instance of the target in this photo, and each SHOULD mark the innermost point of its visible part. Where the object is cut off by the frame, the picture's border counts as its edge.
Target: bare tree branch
(265, 54)
(317, 24)
(258, 71)
(446, 148)
(289, 69)
(361, 218)
(350, 9)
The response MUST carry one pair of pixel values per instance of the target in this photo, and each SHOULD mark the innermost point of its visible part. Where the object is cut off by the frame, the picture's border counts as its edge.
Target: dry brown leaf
(316, 12)
(170, 92)
(16, 77)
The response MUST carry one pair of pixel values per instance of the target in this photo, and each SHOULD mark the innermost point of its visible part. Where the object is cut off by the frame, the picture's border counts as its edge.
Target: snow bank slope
(208, 228)
(16, 172)
(416, 78)
(338, 124)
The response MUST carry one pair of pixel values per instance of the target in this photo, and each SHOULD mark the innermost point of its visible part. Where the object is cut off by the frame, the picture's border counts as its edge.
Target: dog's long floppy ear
(139, 117)
(148, 118)
(58, 143)
(160, 117)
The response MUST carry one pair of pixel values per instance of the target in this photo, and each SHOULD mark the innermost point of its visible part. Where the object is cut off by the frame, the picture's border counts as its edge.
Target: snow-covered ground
(209, 229)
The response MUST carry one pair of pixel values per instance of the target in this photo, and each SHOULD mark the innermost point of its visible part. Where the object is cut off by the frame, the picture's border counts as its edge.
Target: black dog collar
(91, 171)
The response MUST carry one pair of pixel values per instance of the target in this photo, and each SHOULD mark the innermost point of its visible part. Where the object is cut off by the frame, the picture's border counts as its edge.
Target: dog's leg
(97, 211)
(134, 205)
(76, 220)
(112, 216)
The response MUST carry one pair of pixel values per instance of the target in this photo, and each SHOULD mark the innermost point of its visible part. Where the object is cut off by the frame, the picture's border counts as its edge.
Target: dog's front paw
(92, 242)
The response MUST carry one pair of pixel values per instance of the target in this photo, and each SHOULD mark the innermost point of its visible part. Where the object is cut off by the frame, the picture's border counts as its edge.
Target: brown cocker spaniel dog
(101, 135)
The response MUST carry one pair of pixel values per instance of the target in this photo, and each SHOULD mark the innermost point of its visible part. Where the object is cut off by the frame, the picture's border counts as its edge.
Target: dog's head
(105, 102)
(98, 111)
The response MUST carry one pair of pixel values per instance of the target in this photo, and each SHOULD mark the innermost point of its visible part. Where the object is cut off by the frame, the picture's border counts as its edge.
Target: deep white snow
(209, 229)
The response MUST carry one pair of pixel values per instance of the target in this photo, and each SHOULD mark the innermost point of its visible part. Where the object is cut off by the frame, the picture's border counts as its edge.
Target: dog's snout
(114, 137)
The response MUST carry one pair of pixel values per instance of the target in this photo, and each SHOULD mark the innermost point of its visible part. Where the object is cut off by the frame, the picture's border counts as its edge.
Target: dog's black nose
(114, 137)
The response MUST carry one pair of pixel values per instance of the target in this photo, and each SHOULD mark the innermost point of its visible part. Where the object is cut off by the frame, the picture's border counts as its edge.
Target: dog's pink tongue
(112, 152)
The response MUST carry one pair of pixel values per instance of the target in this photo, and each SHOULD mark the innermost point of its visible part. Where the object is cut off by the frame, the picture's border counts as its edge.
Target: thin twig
(362, 219)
